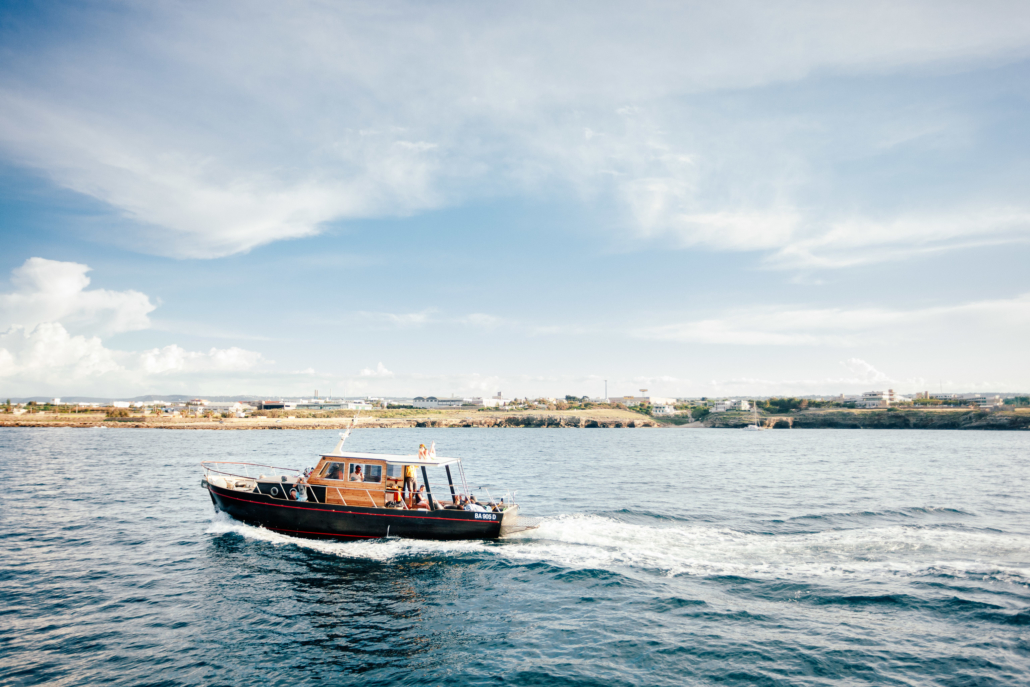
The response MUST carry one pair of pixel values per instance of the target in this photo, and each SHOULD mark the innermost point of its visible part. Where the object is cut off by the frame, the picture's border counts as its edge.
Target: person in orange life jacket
(409, 480)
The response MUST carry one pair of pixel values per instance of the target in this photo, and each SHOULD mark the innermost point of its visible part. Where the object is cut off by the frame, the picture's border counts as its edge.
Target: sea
(664, 557)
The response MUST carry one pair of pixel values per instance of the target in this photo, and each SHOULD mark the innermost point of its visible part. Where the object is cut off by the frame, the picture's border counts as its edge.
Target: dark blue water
(667, 557)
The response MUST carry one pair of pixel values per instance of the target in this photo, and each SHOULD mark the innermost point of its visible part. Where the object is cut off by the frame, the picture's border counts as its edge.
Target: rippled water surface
(666, 557)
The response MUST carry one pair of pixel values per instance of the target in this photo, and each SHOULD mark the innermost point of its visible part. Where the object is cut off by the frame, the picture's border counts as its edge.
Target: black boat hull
(330, 521)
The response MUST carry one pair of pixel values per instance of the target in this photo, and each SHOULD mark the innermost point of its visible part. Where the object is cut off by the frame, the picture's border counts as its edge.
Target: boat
(754, 426)
(350, 495)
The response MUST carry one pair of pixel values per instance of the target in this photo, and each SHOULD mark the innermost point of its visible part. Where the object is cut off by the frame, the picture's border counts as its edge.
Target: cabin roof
(392, 459)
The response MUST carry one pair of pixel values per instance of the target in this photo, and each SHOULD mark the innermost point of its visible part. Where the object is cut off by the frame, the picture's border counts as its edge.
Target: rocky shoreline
(879, 419)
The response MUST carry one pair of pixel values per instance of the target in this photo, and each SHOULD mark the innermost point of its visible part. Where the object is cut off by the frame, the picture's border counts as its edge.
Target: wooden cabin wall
(345, 492)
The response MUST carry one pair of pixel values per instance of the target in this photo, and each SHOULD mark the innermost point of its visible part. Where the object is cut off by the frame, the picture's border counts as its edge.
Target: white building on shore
(637, 400)
(434, 402)
(723, 406)
(983, 400)
(876, 399)
(497, 401)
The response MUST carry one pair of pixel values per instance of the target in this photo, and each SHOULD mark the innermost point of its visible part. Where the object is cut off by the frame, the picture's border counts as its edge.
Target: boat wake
(586, 541)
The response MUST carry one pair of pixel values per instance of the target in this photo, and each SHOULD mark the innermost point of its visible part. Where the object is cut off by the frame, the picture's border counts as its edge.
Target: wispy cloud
(785, 326)
(850, 242)
(341, 112)
(411, 319)
(431, 316)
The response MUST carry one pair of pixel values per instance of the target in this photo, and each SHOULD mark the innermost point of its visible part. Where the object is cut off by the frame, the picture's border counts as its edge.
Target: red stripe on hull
(349, 512)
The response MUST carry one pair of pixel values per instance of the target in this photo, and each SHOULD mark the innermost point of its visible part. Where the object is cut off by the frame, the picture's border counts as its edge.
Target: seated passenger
(356, 476)
(421, 501)
(300, 493)
(474, 506)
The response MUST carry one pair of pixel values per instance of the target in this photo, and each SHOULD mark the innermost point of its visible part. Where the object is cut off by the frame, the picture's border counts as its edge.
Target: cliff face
(879, 419)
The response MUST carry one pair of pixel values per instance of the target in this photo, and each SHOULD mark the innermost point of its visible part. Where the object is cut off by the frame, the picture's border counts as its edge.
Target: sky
(391, 198)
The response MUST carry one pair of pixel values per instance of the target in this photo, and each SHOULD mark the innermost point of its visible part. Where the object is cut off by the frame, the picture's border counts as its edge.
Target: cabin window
(363, 472)
(335, 471)
(394, 471)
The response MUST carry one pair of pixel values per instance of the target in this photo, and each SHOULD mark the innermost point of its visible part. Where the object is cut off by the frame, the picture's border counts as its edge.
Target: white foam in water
(596, 542)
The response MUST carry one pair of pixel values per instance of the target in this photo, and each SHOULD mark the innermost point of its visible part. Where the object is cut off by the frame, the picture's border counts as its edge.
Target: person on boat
(409, 480)
(425, 498)
(423, 453)
(421, 500)
(356, 476)
(335, 472)
(474, 506)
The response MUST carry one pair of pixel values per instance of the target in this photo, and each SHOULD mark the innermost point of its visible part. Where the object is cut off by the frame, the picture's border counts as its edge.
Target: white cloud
(173, 359)
(862, 240)
(38, 352)
(866, 372)
(412, 319)
(431, 316)
(771, 326)
(228, 129)
(53, 291)
(48, 354)
(379, 371)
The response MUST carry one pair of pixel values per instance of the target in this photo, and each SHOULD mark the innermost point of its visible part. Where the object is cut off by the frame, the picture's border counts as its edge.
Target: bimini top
(391, 459)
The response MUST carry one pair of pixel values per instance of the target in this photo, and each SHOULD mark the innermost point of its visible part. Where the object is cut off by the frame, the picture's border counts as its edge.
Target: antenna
(344, 435)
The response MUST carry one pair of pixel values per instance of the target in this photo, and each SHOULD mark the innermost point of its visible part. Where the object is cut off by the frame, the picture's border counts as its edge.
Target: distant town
(654, 406)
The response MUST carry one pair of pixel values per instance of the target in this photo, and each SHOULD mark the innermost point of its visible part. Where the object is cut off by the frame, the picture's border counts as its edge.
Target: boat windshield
(334, 471)
(364, 472)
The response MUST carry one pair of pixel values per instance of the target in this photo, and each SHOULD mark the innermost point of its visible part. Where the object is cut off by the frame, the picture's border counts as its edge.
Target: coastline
(893, 418)
(950, 419)
(606, 418)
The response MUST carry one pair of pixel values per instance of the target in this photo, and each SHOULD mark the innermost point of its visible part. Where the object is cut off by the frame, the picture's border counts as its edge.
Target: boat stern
(512, 522)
